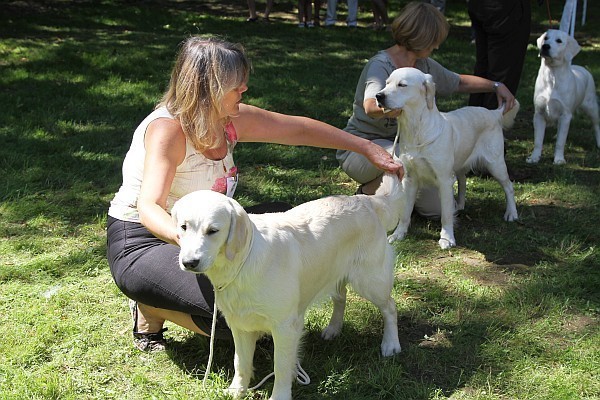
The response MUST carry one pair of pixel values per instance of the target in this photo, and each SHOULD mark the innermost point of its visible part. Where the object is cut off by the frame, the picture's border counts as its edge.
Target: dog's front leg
(562, 131)
(539, 129)
(446, 187)
(286, 339)
(337, 316)
(410, 192)
(245, 344)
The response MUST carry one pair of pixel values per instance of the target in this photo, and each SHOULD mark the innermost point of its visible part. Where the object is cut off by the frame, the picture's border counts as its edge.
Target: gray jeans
(332, 13)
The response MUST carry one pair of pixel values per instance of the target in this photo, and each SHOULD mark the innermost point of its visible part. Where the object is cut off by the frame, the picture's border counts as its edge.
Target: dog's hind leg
(286, 339)
(375, 285)
(245, 344)
(590, 107)
(539, 129)
(462, 189)
(497, 169)
(337, 316)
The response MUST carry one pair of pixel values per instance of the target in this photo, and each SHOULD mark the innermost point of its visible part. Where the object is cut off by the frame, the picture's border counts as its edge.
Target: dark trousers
(501, 29)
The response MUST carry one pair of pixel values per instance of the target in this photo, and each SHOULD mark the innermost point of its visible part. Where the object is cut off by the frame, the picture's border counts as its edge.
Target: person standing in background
(317, 12)
(351, 21)
(252, 11)
(305, 14)
(380, 14)
(501, 29)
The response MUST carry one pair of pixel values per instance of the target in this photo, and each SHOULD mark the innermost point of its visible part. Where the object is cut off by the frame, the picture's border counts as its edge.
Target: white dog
(560, 89)
(437, 147)
(268, 269)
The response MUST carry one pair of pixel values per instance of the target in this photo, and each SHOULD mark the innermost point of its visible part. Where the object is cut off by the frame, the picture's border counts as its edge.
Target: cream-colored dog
(436, 147)
(560, 89)
(268, 269)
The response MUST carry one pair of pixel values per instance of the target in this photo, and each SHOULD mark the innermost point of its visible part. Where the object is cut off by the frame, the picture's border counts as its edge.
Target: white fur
(272, 267)
(437, 147)
(560, 89)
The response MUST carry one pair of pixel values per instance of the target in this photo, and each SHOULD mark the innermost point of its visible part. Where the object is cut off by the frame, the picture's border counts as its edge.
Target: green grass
(511, 313)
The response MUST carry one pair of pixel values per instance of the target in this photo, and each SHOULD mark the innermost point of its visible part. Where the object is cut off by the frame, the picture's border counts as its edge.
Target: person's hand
(384, 160)
(505, 97)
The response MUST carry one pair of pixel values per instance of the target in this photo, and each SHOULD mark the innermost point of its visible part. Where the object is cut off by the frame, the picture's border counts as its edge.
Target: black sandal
(146, 341)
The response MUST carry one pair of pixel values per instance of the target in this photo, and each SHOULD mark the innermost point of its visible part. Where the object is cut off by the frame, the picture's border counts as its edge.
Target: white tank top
(196, 172)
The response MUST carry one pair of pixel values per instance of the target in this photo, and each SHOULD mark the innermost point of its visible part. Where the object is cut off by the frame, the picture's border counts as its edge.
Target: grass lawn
(511, 313)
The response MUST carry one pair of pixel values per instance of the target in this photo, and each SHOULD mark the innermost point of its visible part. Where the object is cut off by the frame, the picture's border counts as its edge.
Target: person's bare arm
(165, 150)
(256, 125)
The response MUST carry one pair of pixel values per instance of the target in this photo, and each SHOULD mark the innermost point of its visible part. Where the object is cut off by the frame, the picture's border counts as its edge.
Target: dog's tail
(508, 119)
(388, 201)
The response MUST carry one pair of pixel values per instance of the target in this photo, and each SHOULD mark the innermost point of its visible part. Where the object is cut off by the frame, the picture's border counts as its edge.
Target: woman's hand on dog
(384, 160)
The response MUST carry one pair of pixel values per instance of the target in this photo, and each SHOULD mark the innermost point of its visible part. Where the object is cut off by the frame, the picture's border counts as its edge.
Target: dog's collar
(222, 287)
(419, 145)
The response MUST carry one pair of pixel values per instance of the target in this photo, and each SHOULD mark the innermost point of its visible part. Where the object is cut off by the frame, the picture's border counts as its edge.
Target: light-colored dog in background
(560, 89)
(268, 269)
(436, 147)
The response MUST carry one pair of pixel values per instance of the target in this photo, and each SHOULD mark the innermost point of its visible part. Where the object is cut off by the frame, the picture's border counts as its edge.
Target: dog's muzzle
(545, 50)
(190, 264)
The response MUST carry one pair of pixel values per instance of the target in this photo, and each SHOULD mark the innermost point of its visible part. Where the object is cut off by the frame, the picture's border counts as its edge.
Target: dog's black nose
(190, 263)
(545, 50)
(380, 97)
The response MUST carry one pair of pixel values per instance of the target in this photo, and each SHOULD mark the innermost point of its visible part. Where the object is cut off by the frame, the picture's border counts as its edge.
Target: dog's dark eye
(401, 85)
(558, 41)
(183, 227)
(211, 231)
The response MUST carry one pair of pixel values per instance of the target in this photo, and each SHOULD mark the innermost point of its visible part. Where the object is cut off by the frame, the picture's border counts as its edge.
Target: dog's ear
(540, 42)
(429, 91)
(238, 232)
(572, 48)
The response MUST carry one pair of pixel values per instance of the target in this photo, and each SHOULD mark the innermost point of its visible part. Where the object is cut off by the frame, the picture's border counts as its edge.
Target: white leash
(302, 377)
(395, 143)
(212, 342)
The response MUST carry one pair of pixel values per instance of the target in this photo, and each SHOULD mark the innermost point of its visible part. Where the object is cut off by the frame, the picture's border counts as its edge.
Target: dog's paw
(331, 332)
(510, 216)
(235, 392)
(532, 160)
(445, 244)
(396, 236)
(389, 349)
(559, 161)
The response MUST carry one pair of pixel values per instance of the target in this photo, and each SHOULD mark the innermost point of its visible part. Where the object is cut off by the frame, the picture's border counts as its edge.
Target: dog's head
(210, 226)
(557, 47)
(407, 88)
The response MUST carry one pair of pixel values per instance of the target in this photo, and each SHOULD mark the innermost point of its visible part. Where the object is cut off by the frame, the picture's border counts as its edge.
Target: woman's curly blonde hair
(205, 70)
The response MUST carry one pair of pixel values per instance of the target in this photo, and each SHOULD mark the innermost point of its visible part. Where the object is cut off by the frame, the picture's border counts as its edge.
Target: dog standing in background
(560, 89)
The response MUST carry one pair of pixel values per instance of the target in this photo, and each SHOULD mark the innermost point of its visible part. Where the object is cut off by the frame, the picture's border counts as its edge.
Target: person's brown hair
(420, 26)
(205, 70)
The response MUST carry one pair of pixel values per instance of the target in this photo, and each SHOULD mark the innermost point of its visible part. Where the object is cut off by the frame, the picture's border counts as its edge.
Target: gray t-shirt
(372, 80)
